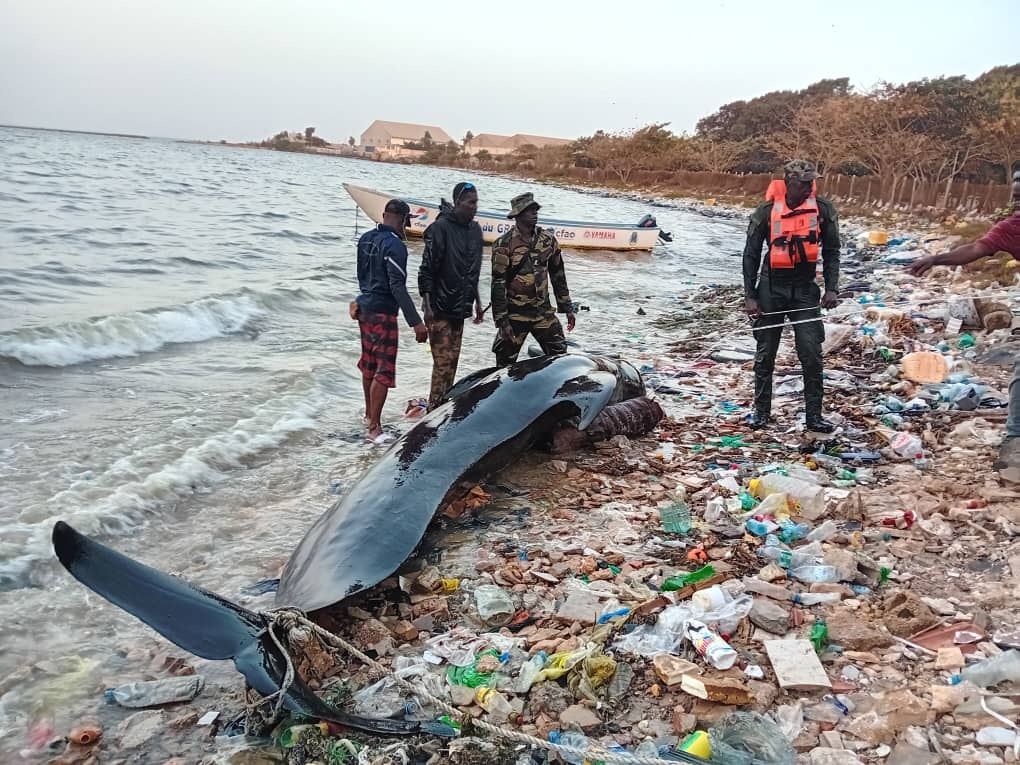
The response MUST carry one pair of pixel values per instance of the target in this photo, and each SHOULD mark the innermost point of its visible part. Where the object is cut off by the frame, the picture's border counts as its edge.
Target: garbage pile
(708, 593)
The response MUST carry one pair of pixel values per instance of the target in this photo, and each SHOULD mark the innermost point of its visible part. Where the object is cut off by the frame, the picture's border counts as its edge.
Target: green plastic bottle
(819, 635)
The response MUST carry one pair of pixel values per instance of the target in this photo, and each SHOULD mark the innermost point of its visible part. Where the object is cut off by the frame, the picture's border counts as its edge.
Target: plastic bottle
(814, 598)
(823, 532)
(529, 672)
(716, 651)
(791, 532)
(769, 590)
(800, 495)
(155, 693)
(572, 739)
(756, 527)
(819, 635)
(984, 674)
(815, 573)
(495, 703)
(921, 462)
(675, 517)
(787, 558)
(494, 604)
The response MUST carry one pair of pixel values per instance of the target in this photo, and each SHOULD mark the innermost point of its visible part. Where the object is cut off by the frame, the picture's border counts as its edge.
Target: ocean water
(177, 370)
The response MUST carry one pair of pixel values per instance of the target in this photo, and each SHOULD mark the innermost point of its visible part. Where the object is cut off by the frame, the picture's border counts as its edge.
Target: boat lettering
(600, 235)
(563, 233)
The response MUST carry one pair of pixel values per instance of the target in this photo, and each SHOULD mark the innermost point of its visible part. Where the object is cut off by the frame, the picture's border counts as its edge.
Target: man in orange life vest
(797, 225)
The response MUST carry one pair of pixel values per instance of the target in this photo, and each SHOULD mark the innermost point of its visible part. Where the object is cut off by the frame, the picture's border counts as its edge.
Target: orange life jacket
(794, 235)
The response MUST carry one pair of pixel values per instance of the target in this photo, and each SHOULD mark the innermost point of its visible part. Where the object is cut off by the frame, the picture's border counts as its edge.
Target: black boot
(817, 424)
(759, 420)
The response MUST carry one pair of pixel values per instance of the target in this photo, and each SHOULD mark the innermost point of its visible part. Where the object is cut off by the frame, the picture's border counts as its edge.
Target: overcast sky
(238, 69)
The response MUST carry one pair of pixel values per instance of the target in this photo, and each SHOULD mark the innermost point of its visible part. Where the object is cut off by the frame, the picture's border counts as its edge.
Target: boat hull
(571, 234)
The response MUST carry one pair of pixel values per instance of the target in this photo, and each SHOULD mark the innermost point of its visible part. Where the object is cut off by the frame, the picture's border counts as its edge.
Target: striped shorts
(379, 348)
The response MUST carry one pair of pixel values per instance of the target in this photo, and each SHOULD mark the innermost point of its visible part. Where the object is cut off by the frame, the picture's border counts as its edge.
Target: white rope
(593, 751)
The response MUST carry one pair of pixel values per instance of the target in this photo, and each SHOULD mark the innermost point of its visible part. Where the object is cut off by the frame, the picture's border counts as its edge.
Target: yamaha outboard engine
(648, 221)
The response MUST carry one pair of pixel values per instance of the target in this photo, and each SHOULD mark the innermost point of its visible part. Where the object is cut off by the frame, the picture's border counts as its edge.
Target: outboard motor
(648, 221)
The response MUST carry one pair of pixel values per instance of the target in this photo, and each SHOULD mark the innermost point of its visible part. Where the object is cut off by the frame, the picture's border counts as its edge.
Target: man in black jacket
(382, 273)
(799, 228)
(448, 283)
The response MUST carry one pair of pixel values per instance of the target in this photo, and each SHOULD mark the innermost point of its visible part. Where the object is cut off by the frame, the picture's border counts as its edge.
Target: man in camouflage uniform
(523, 261)
(775, 294)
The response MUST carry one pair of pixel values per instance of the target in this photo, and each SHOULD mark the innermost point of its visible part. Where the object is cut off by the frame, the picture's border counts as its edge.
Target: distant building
(507, 144)
(382, 137)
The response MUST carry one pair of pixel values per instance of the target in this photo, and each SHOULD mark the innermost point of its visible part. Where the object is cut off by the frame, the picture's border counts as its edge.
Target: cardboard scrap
(796, 665)
(722, 690)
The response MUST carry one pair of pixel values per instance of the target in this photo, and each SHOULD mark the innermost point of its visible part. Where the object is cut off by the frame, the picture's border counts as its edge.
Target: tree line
(932, 131)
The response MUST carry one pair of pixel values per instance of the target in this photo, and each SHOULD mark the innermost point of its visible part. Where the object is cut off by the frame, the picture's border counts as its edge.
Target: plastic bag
(747, 738)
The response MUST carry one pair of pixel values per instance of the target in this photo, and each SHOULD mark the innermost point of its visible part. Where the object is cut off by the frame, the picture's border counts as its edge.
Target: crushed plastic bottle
(495, 703)
(985, 674)
(154, 693)
(823, 532)
(572, 739)
(811, 574)
(803, 496)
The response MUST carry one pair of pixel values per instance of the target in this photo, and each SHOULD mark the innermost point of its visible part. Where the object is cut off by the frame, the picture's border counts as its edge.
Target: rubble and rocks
(852, 601)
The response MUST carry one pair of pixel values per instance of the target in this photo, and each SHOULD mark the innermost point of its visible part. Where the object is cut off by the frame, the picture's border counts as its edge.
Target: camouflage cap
(522, 202)
(800, 170)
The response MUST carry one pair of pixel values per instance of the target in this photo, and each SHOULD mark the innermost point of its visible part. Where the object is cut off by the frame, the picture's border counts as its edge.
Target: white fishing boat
(574, 234)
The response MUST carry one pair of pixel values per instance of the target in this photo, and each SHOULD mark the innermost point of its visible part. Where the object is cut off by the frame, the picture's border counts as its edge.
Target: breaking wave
(129, 334)
(109, 504)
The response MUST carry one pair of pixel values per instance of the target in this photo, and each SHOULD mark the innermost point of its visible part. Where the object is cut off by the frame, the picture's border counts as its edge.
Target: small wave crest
(129, 334)
(108, 505)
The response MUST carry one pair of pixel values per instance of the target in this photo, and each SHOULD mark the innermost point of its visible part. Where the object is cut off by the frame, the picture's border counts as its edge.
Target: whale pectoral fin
(198, 621)
(590, 393)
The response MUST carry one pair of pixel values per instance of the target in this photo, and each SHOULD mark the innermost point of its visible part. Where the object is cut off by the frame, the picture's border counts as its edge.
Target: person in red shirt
(1004, 237)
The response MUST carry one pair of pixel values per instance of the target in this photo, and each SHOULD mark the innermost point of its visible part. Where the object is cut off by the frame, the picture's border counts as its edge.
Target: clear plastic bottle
(984, 674)
(814, 598)
(802, 496)
(495, 703)
(155, 693)
(572, 739)
(815, 573)
(823, 532)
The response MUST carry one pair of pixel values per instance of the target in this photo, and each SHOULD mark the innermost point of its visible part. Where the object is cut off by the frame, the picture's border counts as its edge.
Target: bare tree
(820, 132)
(718, 156)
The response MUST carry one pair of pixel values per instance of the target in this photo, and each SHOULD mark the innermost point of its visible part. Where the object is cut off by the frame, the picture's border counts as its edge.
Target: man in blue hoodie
(382, 278)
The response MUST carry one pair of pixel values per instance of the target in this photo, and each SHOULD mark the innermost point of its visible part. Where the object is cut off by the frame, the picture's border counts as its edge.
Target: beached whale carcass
(489, 421)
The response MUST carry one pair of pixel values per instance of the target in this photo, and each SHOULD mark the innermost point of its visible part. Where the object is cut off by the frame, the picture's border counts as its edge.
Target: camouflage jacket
(526, 296)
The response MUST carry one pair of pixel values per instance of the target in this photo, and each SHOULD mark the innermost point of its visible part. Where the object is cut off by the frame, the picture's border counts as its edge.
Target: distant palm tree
(468, 137)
